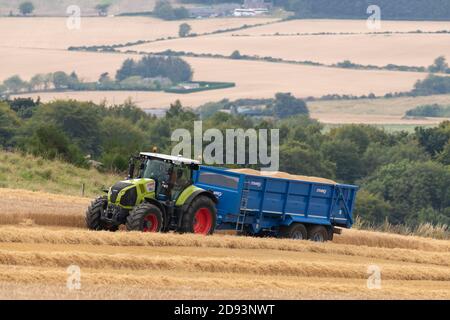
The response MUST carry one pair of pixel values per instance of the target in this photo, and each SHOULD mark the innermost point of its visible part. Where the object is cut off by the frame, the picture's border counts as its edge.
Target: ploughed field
(42, 234)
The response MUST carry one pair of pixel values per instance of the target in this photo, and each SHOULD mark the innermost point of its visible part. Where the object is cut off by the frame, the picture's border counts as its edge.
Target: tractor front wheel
(94, 214)
(200, 217)
(145, 217)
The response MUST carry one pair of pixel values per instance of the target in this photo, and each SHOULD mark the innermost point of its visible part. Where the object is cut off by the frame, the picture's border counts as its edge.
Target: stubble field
(36, 252)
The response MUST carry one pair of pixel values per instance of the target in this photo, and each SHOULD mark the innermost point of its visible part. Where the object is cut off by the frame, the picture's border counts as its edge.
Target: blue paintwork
(274, 202)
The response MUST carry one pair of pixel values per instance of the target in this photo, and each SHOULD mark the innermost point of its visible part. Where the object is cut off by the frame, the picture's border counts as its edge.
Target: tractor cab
(170, 174)
(158, 195)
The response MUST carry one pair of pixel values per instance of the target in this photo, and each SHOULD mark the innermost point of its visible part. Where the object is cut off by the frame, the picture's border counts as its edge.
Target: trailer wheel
(145, 217)
(295, 231)
(200, 217)
(94, 213)
(318, 233)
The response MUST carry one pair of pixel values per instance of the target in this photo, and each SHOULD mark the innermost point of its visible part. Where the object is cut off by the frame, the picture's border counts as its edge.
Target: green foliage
(303, 159)
(372, 207)
(9, 124)
(173, 68)
(429, 110)
(103, 8)
(50, 142)
(439, 65)
(404, 176)
(357, 9)
(412, 186)
(431, 85)
(164, 10)
(433, 140)
(78, 120)
(184, 30)
(287, 105)
(14, 84)
(26, 8)
(236, 55)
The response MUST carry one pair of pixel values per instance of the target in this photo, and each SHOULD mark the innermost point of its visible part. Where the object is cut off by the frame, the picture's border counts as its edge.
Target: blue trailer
(260, 205)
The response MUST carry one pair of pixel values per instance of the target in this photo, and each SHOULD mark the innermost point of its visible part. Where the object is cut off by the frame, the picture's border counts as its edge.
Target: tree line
(404, 177)
(148, 73)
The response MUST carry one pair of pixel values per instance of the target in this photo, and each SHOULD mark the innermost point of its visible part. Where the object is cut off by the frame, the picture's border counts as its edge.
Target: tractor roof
(169, 158)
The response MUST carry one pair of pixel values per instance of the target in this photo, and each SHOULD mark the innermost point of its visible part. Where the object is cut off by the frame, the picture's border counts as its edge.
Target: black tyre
(94, 213)
(145, 217)
(200, 217)
(318, 233)
(295, 231)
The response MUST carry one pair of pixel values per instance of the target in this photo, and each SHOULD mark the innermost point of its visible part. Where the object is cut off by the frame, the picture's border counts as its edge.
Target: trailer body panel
(265, 203)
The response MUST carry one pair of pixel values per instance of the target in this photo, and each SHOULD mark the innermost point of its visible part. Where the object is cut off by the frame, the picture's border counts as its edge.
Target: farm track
(38, 243)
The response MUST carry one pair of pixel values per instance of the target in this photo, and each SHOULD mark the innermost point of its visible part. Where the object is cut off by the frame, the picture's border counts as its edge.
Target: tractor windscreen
(156, 169)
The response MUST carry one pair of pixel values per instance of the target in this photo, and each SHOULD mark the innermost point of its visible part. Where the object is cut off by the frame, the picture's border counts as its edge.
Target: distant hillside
(59, 7)
(19, 171)
(390, 9)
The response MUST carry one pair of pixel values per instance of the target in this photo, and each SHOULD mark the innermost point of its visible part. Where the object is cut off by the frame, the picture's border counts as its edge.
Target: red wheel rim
(151, 223)
(202, 221)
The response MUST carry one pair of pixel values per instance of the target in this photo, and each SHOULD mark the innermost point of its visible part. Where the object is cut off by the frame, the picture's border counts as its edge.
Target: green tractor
(159, 198)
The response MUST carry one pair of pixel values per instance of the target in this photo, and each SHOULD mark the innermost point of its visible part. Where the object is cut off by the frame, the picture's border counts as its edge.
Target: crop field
(380, 50)
(53, 33)
(35, 253)
(38, 45)
(343, 26)
(256, 80)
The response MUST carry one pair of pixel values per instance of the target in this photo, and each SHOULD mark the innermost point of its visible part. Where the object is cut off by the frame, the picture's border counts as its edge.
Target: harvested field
(258, 80)
(88, 65)
(34, 259)
(191, 267)
(337, 26)
(380, 50)
(52, 33)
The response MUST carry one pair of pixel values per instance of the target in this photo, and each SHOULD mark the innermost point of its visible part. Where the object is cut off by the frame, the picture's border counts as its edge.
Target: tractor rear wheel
(145, 217)
(94, 214)
(200, 217)
(318, 233)
(295, 231)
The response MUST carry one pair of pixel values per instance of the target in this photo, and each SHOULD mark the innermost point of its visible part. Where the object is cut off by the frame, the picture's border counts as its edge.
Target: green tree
(9, 124)
(50, 142)
(433, 140)
(164, 10)
(78, 120)
(26, 8)
(372, 208)
(102, 8)
(439, 65)
(60, 80)
(299, 158)
(345, 154)
(287, 105)
(37, 82)
(120, 139)
(410, 187)
(184, 30)
(15, 84)
(236, 55)
(173, 68)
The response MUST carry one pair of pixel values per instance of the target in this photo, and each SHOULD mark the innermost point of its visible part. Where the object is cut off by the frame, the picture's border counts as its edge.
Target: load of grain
(283, 175)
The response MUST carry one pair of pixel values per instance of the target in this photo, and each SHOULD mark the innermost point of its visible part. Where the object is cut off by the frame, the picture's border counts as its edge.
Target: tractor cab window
(157, 170)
